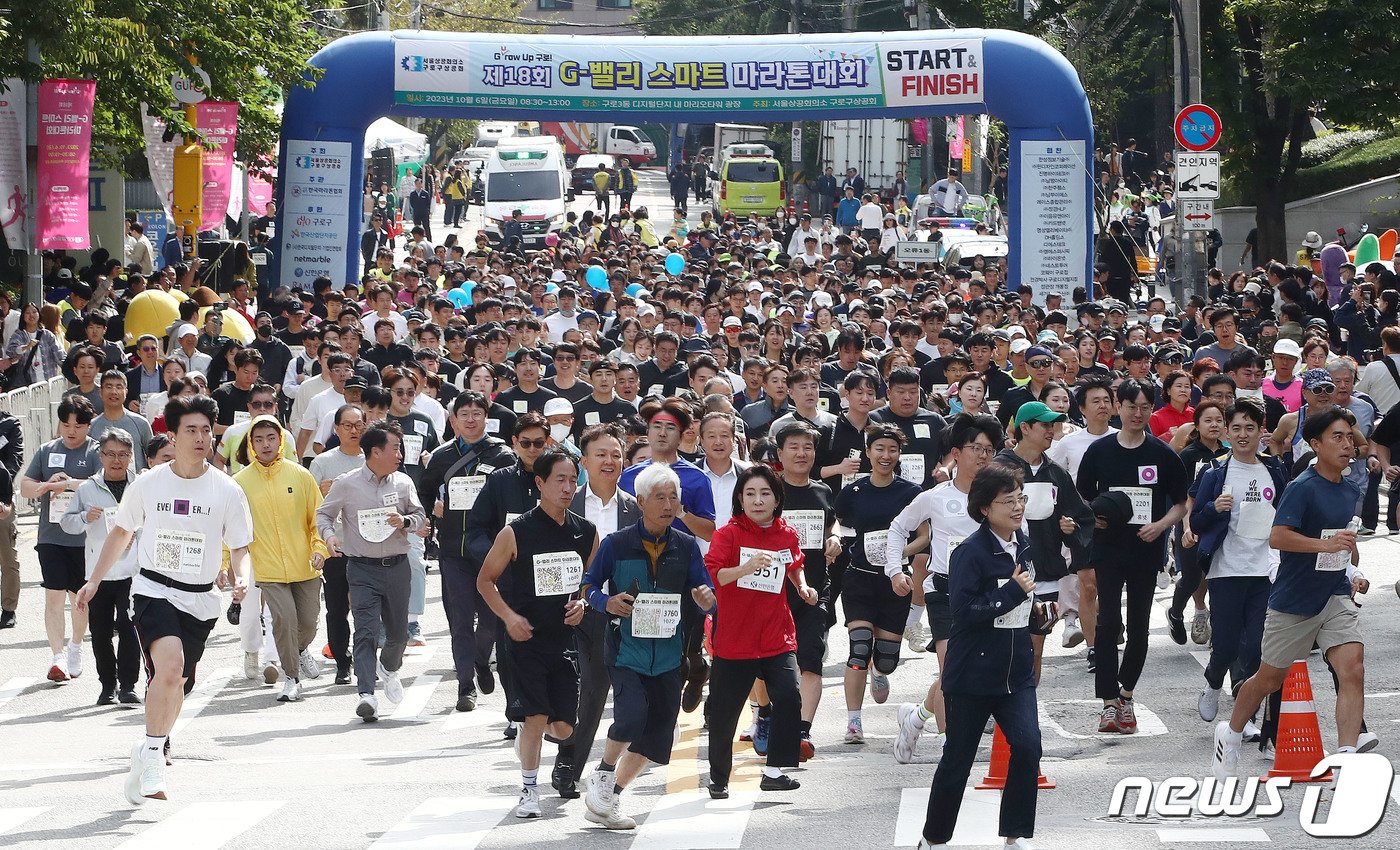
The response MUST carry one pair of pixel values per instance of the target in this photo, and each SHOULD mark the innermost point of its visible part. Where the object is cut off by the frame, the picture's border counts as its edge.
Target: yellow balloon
(151, 312)
(235, 326)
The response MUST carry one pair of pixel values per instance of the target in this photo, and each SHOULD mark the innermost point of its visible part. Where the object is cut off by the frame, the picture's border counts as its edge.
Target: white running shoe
(1367, 741)
(250, 665)
(271, 673)
(529, 805)
(133, 776)
(854, 733)
(1200, 627)
(598, 796)
(914, 636)
(1226, 759)
(1251, 733)
(310, 664)
(1019, 844)
(153, 776)
(393, 686)
(879, 687)
(1073, 635)
(613, 818)
(58, 670)
(291, 691)
(1164, 581)
(75, 660)
(909, 731)
(1209, 704)
(368, 709)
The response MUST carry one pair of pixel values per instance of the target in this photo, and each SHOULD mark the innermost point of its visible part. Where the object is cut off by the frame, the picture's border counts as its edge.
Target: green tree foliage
(253, 50)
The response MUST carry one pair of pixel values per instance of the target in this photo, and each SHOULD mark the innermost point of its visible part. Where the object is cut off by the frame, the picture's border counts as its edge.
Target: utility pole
(1190, 261)
(848, 15)
(187, 203)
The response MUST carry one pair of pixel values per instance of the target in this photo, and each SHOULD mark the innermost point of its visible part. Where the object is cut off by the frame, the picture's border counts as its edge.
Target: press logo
(1358, 799)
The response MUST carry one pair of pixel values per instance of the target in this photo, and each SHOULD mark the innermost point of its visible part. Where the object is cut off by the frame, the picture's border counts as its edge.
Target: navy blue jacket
(1209, 524)
(985, 660)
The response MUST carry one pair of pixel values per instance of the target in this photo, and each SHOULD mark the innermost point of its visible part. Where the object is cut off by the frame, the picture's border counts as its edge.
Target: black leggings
(1188, 567)
(730, 683)
(1141, 584)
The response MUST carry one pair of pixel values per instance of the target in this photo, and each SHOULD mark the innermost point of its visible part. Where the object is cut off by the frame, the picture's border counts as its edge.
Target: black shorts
(645, 709)
(61, 567)
(940, 614)
(811, 625)
(869, 597)
(541, 681)
(156, 618)
(1052, 596)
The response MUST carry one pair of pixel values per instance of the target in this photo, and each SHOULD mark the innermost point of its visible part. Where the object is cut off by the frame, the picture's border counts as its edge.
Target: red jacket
(751, 623)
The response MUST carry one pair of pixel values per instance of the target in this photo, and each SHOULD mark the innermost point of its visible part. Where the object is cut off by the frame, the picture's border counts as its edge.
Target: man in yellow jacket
(287, 552)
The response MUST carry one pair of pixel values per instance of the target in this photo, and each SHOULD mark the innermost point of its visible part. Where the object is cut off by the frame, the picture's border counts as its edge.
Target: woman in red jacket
(749, 559)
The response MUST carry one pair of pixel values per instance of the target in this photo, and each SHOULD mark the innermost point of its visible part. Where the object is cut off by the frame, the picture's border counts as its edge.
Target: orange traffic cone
(1001, 763)
(1299, 747)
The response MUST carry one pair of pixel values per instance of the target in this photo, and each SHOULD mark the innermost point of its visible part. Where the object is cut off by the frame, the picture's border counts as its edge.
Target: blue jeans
(967, 716)
(1237, 609)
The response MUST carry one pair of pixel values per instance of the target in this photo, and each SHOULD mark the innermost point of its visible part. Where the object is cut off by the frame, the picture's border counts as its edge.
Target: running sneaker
(1108, 719)
(393, 687)
(250, 665)
(915, 637)
(291, 691)
(760, 736)
(152, 776)
(1127, 718)
(1251, 733)
(58, 670)
(1226, 759)
(747, 734)
(909, 731)
(415, 635)
(1163, 580)
(1367, 741)
(805, 748)
(529, 805)
(133, 776)
(128, 697)
(879, 687)
(1209, 704)
(1073, 635)
(1200, 627)
(485, 681)
(854, 733)
(75, 660)
(1093, 665)
(598, 796)
(782, 782)
(326, 652)
(310, 664)
(613, 818)
(1176, 627)
(271, 673)
(368, 709)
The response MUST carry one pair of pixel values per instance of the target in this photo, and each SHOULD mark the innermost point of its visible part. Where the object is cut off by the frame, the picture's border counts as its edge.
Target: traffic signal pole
(187, 205)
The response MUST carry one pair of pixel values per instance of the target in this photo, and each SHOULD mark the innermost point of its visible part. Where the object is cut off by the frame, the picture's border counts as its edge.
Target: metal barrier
(36, 408)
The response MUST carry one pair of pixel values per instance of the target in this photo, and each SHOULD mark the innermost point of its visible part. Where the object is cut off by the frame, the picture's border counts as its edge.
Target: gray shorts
(1290, 637)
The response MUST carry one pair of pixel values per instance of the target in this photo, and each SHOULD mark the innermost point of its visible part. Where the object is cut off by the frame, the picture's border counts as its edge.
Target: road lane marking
(12, 689)
(203, 826)
(1149, 724)
(200, 698)
(448, 823)
(977, 820)
(11, 818)
(416, 697)
(690, 820)
(1212, 835)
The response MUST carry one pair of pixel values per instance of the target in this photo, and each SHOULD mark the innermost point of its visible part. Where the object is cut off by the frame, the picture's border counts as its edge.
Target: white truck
(877, 148)
(624, 141)
(733, 134)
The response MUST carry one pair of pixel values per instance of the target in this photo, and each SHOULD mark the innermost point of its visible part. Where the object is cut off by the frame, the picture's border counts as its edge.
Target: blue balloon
(597, 278)
(675, 264)
(459, 297)
(635, 288)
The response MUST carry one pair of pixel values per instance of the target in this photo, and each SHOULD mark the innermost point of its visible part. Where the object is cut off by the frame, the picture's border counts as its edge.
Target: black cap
(1171, 323)
(357, 381)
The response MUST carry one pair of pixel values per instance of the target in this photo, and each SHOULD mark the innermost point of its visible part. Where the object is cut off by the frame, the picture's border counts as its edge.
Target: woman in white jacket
(90, 512)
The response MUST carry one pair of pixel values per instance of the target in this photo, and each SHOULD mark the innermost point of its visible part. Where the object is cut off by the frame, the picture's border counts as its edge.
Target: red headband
(663, 416)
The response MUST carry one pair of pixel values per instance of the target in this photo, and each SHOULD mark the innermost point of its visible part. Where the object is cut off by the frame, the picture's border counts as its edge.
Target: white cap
(755, 286)
(186, 329)
(558, 407)
(821, 298)
(506, 281)
(558, 276)
(1020, 344)
(1287, 348)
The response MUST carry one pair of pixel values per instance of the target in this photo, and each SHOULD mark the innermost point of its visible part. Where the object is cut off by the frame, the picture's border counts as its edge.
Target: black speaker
(381, 168)
(12, 265)
(223, 262)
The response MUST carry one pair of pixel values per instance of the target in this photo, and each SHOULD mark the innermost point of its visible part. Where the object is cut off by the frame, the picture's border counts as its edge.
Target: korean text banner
(12, 164)
(218, 126)
(560, 73)
(65, 145)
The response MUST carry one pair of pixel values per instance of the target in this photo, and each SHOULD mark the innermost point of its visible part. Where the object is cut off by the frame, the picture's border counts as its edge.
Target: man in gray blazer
(609, 508)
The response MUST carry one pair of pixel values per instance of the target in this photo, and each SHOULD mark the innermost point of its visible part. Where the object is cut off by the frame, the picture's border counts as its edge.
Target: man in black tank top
(541, 556)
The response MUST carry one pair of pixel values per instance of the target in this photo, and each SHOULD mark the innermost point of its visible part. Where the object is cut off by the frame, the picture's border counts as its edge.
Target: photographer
(1381, 379)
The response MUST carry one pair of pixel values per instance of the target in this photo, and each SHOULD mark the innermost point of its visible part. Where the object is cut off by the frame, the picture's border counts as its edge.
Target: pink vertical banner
(956, 136)
(65, 148)
(259, 194)
(218, 126)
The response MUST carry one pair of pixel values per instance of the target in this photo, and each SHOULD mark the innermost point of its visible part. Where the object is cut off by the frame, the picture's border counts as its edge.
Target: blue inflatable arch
(756, 79)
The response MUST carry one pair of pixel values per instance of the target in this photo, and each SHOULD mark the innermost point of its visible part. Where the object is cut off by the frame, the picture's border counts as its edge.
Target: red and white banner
(956, 137)
(259, 194)
(65, 148)
(12, 165)
(218, 125)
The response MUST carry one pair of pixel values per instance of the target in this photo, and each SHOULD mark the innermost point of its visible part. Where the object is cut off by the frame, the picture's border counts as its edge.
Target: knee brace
(886, 655)
(861, 639)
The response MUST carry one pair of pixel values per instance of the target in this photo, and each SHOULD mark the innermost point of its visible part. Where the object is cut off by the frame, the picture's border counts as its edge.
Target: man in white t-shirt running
(187, 512)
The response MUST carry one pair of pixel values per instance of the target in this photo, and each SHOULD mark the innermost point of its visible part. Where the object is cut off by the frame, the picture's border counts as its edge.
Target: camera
(1373, 355)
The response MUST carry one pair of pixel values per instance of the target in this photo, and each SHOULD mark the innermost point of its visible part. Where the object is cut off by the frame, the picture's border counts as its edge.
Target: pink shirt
(1290, 395)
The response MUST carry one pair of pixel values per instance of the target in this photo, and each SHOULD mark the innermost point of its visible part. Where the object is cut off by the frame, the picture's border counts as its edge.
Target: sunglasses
(533, 444)
(1323, 389)
(1173, 360)
(1039, 363)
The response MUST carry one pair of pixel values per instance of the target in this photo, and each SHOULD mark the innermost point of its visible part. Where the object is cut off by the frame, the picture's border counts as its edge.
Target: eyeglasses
(1012, 501)
(533, 444)
(403, 393)
(262, 405)
(1039, 363)
(565, 359)
(1323, 389)
(116, 455)
(149, 349)
(986, 451)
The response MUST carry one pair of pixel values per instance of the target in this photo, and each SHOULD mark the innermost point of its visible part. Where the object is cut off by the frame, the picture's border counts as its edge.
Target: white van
(527, 173)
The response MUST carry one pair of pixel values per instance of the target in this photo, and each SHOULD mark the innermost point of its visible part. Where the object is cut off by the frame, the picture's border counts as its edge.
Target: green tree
(1271, 64)
(683, 17)
(253, 51)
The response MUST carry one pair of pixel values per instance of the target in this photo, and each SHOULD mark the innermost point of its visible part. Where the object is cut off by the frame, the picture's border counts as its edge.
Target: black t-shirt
(1152, 466)
(800, 508)
(518, 401)
(540, 544)
(579, 391)
(589, 411)
(652, 377)
(924, 430)
(504, 420)
(231, 400)
(869, 510)
(837, 443)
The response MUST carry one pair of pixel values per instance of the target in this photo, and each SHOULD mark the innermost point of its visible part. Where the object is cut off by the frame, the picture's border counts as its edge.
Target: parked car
(586, 166)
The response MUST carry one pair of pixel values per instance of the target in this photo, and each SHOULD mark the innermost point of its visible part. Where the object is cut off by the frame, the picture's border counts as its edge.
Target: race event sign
(65, 145)
(557, 72)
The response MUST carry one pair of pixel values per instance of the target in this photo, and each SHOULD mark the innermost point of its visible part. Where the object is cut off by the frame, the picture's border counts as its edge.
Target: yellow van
(751, 185)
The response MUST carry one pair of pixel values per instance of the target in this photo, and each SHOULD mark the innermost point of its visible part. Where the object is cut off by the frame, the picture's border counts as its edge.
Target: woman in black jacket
(989, 670)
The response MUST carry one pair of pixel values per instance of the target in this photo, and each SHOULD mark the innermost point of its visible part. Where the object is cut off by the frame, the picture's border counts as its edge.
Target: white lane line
(477, 719)
(1395, 791)
(415, 698)
(1212, 835)
(419, 653)
(203, 826)
(690, 820)
(199, 700)
(977, 820)
(1202, 657)
(11, 818)
(449, 823)
(1149, 724)
(15, 687)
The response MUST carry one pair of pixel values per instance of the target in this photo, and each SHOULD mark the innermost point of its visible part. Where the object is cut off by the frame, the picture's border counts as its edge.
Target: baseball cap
(356, 381)
(186, 329)
(731, 322)
(1314, 377)
(558, 407)
(1037, 411)
(1287, 348)
(1036, 351)
(1019, 344)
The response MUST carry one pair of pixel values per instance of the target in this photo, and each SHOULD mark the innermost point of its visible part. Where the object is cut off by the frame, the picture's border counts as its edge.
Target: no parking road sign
(1197, 127)
(1197, 176)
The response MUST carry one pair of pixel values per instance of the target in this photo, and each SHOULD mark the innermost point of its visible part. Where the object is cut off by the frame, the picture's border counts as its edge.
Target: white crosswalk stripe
(446, 823)
(11, 818)
(977, 821)
(1212, 835)
(200, 698)
(203, 826)
(415, 698)
(690, 820)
